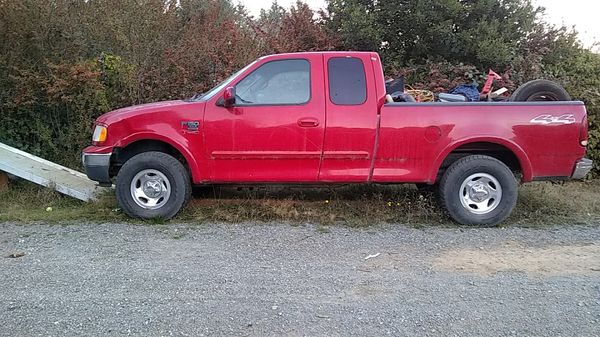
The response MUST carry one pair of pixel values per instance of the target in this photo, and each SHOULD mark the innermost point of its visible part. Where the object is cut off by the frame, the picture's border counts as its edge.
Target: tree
(354, 23)
(480, 32)
(293, 30)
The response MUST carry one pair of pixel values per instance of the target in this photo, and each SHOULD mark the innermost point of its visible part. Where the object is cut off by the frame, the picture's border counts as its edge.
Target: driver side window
(285, 82)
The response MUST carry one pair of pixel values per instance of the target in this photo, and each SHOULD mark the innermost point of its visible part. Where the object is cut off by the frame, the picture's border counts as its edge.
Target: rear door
(351, 104)
(275, 131)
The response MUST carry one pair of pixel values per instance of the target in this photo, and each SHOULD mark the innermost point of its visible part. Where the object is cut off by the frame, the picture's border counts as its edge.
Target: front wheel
(153, 185)
(479, 190)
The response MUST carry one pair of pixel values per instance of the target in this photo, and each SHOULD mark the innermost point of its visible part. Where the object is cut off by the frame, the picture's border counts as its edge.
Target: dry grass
(26, 202)
(539, 204)
(568, 202)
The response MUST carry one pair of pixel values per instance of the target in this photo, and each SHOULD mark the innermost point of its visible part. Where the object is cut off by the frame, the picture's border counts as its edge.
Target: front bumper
(97, 166)
(582, 168)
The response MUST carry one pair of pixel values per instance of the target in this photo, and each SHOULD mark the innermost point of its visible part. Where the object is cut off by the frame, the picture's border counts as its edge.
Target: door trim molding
(266, 155)
(270, 155)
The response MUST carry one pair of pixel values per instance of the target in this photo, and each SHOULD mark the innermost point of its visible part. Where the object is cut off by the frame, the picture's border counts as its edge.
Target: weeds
(353, 205)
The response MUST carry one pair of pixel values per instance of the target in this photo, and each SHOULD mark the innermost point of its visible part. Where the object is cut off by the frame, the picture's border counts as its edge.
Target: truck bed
(544, 136)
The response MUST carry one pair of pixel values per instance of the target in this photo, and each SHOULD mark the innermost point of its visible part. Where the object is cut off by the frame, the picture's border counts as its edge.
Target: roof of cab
(341, 53)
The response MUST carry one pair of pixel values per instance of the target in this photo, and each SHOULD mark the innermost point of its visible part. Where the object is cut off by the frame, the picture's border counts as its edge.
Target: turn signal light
(100, 133)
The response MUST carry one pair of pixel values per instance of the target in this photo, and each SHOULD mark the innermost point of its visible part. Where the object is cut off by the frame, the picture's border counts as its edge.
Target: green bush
(51, 112)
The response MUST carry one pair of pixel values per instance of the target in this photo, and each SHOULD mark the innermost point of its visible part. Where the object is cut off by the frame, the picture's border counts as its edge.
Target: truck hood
(136, 110)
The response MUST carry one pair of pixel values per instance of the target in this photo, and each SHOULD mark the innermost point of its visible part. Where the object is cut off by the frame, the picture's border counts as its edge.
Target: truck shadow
(309, 192)
(354, 205)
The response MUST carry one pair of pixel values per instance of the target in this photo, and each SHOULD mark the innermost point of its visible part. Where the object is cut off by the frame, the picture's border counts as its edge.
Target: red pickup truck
(324, 118)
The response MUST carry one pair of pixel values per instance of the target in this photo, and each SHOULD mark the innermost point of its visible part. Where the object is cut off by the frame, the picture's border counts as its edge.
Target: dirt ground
(552, 260)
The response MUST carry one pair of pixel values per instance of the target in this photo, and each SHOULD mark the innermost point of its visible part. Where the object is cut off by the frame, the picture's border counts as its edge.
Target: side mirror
(228, 98)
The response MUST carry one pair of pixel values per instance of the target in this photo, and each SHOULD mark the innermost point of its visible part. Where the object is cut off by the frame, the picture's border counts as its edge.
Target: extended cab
(324, 118)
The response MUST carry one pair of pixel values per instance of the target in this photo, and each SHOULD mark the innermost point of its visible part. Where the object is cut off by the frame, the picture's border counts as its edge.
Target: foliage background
(65, 62)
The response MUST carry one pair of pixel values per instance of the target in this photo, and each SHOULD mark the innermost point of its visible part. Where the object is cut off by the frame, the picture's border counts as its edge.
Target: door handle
(308, 122)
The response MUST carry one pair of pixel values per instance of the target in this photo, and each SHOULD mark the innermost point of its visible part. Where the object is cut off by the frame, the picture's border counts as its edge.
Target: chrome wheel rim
(150, 189)
(480, 193)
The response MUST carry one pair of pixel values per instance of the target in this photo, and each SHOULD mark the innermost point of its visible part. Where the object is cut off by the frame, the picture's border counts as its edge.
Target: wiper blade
(197, 96)
(243, 100)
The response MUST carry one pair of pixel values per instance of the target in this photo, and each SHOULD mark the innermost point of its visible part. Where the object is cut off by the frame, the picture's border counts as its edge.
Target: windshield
(209, 94)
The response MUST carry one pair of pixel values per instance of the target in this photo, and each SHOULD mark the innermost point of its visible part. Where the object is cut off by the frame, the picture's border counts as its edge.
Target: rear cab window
(347, 81)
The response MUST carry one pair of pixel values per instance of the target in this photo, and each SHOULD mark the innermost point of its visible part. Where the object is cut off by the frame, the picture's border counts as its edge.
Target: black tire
(540, 90)
(178, 181)
(466, 170)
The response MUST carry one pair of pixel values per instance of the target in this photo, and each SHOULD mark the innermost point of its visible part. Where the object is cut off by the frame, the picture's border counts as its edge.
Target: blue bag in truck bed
(470, 91)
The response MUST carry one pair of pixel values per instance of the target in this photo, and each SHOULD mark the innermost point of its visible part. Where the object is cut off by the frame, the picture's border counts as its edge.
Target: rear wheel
(479, 190)
(153, 185)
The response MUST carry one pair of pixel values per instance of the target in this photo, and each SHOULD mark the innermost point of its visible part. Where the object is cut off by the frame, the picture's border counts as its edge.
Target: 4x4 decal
(549, 119)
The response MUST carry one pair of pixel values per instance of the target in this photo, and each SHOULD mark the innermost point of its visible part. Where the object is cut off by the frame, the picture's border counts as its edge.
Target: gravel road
(284, 280)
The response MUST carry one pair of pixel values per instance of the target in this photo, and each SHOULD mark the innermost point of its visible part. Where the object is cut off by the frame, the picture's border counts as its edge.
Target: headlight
(100, 133)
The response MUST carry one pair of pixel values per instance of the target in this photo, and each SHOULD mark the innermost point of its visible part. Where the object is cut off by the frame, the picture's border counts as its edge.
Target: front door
(275, 130)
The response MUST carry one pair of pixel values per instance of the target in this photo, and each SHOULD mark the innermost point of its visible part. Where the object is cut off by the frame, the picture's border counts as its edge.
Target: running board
(48, 174)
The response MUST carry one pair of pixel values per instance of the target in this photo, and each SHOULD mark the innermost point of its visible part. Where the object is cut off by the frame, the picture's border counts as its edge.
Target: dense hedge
(65, 62)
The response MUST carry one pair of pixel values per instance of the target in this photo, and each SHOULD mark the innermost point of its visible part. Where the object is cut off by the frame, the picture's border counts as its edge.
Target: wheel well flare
(121, 155)
(498, 151)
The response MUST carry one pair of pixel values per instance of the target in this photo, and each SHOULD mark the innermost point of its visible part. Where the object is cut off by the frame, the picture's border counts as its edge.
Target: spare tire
(540, 91)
